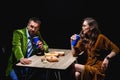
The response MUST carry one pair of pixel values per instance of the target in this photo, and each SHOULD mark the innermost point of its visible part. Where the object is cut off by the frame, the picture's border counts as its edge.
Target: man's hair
(35, 19)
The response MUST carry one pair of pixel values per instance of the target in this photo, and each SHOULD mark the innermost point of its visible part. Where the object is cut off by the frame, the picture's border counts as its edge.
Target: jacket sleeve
(105, 43)
(16, 45)
(46, 47)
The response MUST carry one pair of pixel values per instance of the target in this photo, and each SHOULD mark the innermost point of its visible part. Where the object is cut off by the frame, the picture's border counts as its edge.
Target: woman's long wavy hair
(95, 31)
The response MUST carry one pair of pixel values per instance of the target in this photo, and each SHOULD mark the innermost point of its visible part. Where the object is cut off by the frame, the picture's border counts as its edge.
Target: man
(23, 47)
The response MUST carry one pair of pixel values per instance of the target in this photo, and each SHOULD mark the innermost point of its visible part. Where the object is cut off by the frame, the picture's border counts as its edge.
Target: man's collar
(28, 35)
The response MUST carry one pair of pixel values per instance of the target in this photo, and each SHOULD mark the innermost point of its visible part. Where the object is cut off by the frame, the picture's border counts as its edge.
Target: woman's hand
(73, 37)
(105, 64)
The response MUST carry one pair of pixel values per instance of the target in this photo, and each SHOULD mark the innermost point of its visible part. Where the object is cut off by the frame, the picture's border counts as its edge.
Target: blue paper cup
(74, 42)
(35, 40)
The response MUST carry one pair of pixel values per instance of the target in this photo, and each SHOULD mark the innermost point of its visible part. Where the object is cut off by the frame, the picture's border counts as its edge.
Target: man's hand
(25, 61)
(40, 44)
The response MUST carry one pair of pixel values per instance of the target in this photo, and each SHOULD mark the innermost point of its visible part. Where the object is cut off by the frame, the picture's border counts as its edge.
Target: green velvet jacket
(19, 47)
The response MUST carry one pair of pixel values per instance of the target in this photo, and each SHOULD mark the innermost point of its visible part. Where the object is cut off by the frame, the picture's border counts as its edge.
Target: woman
(99, 50)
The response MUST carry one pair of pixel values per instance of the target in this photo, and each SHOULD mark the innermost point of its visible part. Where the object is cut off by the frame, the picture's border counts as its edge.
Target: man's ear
(27, 27)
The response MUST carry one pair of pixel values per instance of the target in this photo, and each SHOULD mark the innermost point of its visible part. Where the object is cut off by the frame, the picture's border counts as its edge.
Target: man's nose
(33, 29)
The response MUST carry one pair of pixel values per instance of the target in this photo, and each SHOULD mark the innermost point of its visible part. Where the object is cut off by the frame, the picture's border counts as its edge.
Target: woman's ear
(92, 27)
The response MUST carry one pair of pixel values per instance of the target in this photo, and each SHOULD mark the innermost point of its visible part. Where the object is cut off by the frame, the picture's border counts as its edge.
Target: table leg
(58, 75)
(55, 73)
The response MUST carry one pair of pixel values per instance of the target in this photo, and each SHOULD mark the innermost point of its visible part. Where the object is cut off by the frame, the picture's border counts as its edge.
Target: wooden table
(63, 63)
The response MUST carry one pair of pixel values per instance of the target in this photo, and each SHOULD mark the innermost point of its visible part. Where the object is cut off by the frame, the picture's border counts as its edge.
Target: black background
(60, 19)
